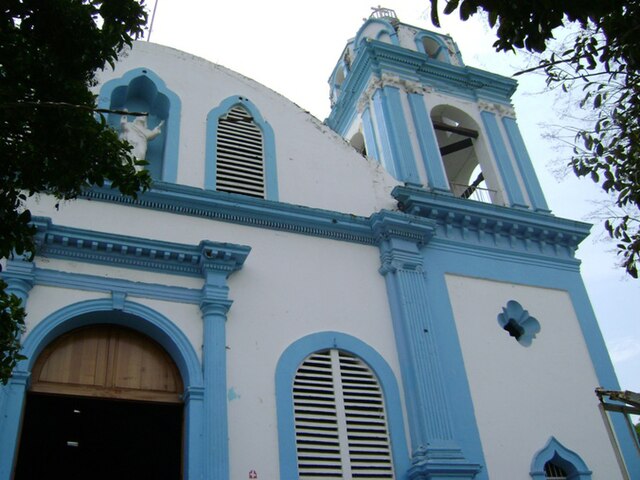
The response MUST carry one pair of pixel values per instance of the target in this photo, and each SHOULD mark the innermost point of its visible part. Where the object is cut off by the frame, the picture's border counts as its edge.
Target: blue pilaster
(525, 165)
(436, 453)
(503, 160)
(218, 262)
(369, 135)
(19, 275)
(392, 126)
(425, 133)
(12, 398)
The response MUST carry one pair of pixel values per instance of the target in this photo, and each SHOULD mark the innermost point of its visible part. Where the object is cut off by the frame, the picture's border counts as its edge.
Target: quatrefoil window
(518, 323)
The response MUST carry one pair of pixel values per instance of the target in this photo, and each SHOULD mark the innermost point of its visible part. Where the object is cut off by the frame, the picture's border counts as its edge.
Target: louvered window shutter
(340, 421)
(240, 154)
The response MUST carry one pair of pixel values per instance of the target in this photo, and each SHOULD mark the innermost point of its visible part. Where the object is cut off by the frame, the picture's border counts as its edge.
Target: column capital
(19, 274)
(400, 239)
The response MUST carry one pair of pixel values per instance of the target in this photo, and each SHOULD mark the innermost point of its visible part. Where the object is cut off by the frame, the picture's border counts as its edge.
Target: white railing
(470, 192)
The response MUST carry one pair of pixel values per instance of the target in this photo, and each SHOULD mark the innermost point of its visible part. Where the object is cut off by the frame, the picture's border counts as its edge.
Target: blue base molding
(432, 463)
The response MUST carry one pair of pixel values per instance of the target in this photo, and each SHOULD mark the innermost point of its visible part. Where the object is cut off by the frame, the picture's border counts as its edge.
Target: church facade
(385, 295)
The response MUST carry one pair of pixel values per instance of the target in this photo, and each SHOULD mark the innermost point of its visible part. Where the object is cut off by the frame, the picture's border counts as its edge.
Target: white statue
(138, 135)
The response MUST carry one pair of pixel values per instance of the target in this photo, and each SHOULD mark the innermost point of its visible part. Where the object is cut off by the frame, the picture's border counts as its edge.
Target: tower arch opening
(464, 156)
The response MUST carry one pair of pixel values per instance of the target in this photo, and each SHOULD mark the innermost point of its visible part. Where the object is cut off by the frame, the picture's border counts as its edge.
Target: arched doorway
(104, 402)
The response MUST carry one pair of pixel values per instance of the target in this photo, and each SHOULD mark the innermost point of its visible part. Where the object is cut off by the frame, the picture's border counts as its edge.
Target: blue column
(503, 160)
(214, 365)
(436, 176)
(525, 165)
(218, 262)
(436, 454)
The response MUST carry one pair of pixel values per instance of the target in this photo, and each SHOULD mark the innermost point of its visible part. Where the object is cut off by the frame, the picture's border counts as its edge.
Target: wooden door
(107, 361)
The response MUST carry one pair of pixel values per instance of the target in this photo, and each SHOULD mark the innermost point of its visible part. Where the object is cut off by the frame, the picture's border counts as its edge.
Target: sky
(292, 48)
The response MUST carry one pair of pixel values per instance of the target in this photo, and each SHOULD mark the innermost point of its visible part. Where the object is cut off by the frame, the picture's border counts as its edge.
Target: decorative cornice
(244, 210)
(122, 251)
(508, 229)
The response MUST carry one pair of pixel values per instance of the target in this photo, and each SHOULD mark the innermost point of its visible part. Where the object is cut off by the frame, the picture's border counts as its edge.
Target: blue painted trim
(403, 157)
(425, 134)
(457, 390)
(172, 118)
(94, 283)
(527, 234)
(503, 161)
(569, 461)
(268, 139)
(467, 224)
(384, 134)
(525, 165)
(89, 246)
(140, 317)
(91, 312)
(441, 261)
(288, 363)
(370, 135)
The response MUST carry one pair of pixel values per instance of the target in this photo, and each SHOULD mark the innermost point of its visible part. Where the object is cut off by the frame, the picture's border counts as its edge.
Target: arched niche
(433, 46)
(464, 153)
(141, 90)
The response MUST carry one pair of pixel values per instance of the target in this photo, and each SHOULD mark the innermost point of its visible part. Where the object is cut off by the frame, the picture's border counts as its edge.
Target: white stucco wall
(523, 395)
(315, 166)
(290, 286)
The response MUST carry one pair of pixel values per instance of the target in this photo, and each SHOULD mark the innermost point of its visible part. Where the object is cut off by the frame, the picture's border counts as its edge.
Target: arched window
(339, 411)
(240, 154)
(340, 420)
(556, 462)
(240, 151)
(554, 472)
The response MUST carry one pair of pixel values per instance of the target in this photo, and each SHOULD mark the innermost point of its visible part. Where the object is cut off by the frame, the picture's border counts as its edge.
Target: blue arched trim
(444, 49)
(136, 316)
(132, 315)
(569, 461)
(271, 177)
(286, 369)
(167, 107)
(386, 28)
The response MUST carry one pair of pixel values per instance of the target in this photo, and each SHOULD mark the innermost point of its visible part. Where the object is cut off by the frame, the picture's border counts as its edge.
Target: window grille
(554, 472)
(340, 420)
(240, 154)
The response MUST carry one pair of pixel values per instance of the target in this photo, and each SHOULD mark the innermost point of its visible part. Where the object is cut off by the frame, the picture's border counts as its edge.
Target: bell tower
(404, 97)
